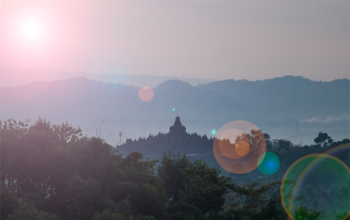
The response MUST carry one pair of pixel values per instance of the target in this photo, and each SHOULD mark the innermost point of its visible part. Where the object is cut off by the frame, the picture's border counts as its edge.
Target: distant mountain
(273, 105)
(289, 96)
(84, 98)
(11, 77)
(145, 80)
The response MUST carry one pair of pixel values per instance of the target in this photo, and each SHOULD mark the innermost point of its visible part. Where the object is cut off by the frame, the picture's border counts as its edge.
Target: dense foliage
(51, 172)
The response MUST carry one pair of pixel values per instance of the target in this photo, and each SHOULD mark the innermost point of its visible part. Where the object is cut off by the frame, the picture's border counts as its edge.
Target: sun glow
(31, 29)
(31, 26)
(30, 34)
(42, 34)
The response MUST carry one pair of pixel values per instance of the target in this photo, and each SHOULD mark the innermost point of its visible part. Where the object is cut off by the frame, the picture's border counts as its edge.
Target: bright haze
(218, 39)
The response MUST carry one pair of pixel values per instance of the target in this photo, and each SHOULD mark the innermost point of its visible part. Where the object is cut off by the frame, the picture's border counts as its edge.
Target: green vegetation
(51, 172)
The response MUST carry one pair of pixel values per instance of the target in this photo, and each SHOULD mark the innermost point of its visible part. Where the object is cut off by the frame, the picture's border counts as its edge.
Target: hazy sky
(218, 39)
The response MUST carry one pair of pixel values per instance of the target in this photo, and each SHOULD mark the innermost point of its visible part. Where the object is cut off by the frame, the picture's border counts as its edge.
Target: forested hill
(53, 172)
(288, 96)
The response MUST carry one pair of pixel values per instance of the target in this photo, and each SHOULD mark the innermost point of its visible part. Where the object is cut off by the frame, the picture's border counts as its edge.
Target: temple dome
(177, 128)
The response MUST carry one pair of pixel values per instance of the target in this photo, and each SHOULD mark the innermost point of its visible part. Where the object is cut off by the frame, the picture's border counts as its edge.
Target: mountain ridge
(202, 107)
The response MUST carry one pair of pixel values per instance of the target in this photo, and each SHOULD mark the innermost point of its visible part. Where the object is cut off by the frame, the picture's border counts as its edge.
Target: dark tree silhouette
(323, 139)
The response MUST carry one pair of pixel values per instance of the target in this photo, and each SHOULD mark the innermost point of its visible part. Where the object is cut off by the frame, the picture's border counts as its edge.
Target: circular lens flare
(238, 145)
(268, 163)
(227, 142)
(306, 179)
(242, 148)
(146, 94)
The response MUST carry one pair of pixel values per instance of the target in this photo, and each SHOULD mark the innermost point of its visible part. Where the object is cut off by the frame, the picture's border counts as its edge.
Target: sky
(209, 39)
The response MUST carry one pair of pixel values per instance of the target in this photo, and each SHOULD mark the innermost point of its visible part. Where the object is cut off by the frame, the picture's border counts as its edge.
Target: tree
(282, 144)
(250, 197)
(172, 173)
(136, 177)
(255, 201)
(205, 188)
(273, 209)
(109, 215)
(8, 202)
(183, 211)
(269, 145)
(323, 139)
(304, 214)
(83, 198)
(28, 212)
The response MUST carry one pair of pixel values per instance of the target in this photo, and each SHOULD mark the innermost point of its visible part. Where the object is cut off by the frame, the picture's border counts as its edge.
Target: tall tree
(323, 139)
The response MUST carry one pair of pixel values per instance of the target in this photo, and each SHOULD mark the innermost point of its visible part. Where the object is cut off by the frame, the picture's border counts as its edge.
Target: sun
(31, 32)
(31, 28)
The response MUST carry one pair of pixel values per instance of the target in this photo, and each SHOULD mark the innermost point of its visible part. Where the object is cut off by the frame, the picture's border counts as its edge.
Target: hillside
(288, 96)
(273, 105)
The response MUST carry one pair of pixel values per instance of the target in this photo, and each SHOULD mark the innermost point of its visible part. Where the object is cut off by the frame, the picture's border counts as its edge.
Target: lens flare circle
(268, 163)
(228, 142)
(317, 171)
(146, 94)
(242, 148)
(237, 146)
